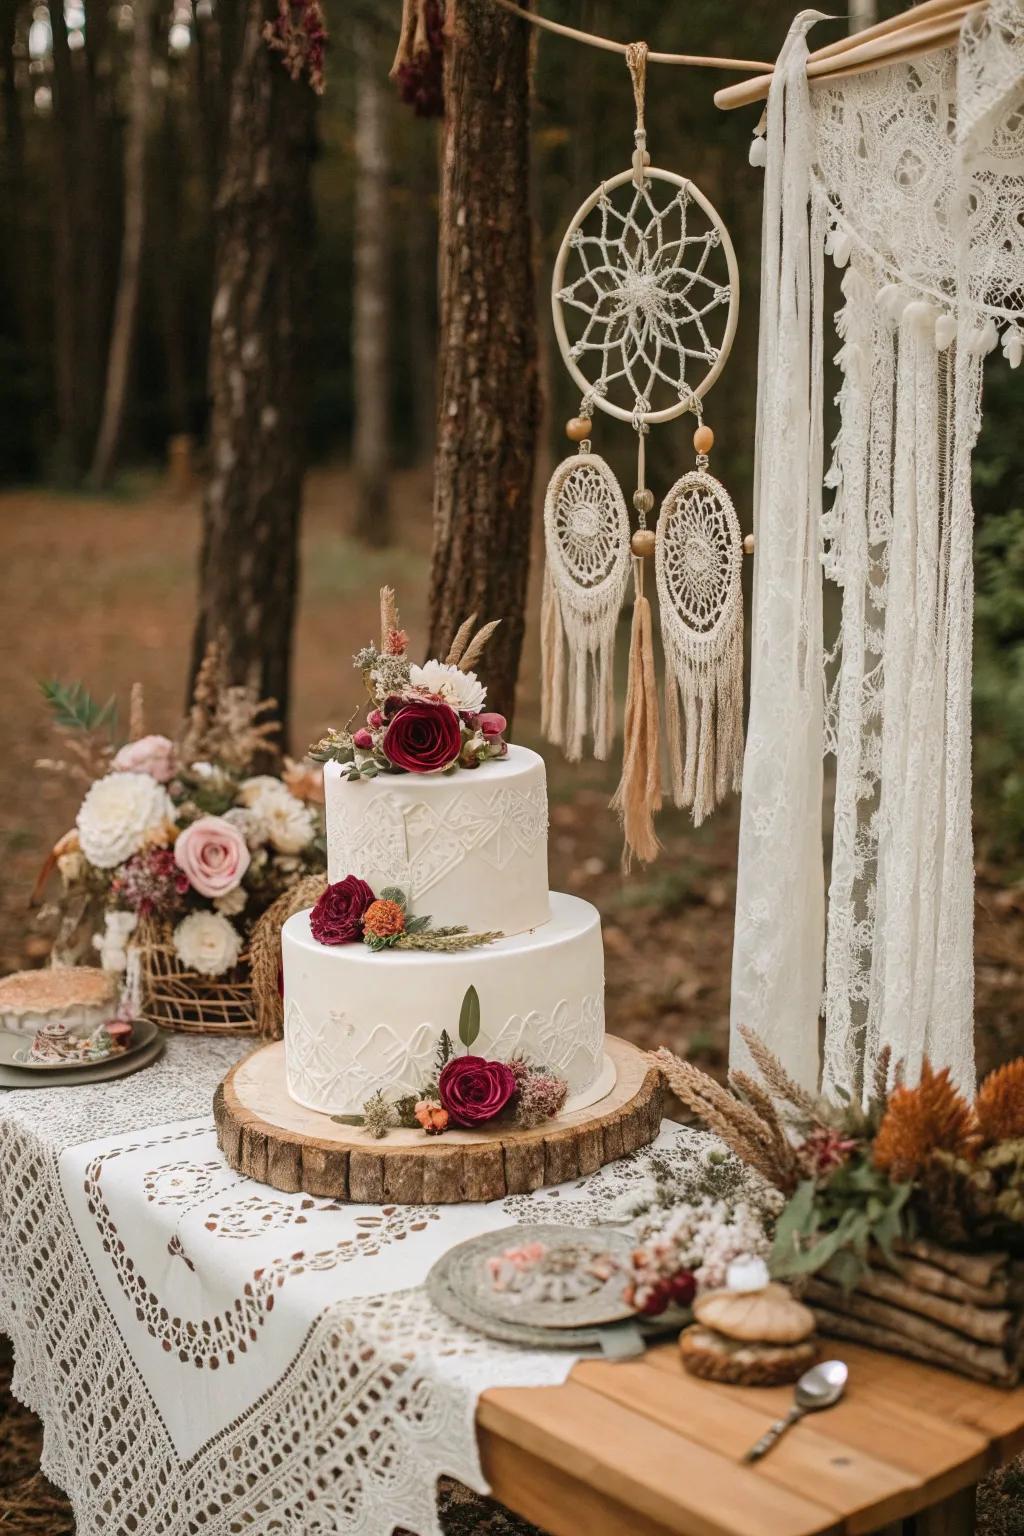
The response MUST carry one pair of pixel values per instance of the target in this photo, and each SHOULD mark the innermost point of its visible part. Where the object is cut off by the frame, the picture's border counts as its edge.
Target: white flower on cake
(462, 690)
(117, 814)
(280, 818)
(207, 943)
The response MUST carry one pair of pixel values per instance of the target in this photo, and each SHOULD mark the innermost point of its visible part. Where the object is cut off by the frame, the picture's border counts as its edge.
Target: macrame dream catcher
(644, 297)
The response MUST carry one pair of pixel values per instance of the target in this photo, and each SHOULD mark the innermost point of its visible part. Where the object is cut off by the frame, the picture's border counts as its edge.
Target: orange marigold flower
(933, 1117)
(383, 919)
(999, 1105)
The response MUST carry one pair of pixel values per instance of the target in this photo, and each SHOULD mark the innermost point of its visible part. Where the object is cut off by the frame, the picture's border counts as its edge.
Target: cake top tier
(467, 847)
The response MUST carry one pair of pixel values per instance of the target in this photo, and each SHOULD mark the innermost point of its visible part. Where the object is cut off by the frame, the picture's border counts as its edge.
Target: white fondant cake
(356, 1021)
(468, 847)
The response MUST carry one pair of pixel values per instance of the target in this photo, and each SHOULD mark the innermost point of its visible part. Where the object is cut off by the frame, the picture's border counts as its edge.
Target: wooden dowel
(927, 11)
(697, 60)
(861, 52)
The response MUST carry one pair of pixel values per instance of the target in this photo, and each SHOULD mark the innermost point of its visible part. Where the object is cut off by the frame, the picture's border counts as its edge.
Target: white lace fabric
(209, 1355)
(912, 178)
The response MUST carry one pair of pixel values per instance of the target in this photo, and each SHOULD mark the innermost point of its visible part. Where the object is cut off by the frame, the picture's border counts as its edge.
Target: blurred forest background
(175, 205)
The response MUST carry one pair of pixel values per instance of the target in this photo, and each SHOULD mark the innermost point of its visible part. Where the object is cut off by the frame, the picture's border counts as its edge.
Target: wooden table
(640, 1448)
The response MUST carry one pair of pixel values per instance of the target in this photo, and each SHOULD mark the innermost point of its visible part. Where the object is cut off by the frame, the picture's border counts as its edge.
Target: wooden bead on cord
(703, 439)
(643, 501)
(748, 544)
(577, 428)
(643, 543)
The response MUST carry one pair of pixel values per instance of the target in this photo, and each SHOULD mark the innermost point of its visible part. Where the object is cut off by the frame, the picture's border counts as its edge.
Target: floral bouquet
(179, 848)
(422, 719)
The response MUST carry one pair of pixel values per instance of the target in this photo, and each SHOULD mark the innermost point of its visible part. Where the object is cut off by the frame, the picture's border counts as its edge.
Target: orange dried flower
(999, 1105)
(432, 1116)
(383, 919)
(933, 1117)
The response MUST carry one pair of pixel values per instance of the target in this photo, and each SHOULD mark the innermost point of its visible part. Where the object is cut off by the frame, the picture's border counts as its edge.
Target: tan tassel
(638, 796)
(552, 666)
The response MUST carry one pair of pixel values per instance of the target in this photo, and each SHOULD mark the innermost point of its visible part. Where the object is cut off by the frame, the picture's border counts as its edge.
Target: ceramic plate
(14, 1050)
(99, 1072)
(579, 1283)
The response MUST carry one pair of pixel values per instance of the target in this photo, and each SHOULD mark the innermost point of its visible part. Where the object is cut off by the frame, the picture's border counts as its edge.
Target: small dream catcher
(645, 295)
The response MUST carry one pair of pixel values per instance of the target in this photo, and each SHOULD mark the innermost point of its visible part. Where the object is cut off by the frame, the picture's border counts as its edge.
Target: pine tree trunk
(371, 300)
(488, 401)
(126, 303)
(249, 559)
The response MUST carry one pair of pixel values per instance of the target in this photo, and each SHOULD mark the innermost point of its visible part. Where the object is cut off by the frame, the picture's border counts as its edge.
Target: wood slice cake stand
(263, 1133)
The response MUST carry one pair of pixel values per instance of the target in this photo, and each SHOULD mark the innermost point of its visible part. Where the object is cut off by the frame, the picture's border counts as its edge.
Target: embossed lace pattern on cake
(416, 846)
(331, 1061)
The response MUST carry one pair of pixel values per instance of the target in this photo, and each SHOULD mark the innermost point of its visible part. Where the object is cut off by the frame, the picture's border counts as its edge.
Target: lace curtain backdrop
(911, 178)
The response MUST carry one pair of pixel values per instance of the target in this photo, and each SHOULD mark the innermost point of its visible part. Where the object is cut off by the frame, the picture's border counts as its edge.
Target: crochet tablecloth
(209, 1355)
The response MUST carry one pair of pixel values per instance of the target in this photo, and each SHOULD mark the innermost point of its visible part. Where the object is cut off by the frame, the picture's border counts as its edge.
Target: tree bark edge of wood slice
(270, 1138)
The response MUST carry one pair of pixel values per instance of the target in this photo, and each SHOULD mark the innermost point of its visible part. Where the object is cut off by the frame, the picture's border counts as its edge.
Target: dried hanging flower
(419, 62)
(299, 34)
(999, 1105)
(933, 1117)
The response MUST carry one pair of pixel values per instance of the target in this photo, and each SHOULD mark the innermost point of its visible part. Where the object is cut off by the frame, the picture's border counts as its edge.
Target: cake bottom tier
(357, 1021)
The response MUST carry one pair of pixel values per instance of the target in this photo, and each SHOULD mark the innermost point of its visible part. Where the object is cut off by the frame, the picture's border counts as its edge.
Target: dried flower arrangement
(422, 719)
(348, 912)
(467, 1091)
(893, 1208)
(179, 845)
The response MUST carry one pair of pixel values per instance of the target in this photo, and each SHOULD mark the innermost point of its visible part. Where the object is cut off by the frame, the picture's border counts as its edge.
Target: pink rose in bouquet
(473, 1089)
(337, 917)
(150, 754)
(213, 854)
(423, 737)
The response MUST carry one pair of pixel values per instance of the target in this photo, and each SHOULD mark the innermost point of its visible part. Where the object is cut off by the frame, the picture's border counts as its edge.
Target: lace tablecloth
(209, 1355)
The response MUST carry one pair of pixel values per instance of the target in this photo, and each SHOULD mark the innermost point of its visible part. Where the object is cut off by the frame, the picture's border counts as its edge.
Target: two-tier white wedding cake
(470, 847)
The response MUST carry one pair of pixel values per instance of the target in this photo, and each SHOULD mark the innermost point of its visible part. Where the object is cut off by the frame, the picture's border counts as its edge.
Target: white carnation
(207, 943)
(116, 815)
(462, 690)
(281, 819)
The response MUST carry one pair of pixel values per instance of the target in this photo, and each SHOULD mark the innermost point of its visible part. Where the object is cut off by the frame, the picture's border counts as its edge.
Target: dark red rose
(423, 737)
(337, 917)
(473, 1090)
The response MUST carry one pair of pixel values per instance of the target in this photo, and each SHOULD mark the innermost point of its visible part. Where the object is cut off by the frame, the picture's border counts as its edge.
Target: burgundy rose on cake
(473, 1089)
(423, 736)
(350, 912)
(337, 917)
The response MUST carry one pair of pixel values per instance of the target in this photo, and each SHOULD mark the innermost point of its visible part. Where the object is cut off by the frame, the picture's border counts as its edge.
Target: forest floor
(102, 590)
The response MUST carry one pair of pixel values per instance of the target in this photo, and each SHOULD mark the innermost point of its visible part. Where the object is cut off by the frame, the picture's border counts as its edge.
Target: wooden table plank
(643, 1466)
(938, 1453)
(862, 1489)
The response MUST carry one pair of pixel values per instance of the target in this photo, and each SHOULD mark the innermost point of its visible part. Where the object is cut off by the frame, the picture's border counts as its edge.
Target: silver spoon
(819, 1387)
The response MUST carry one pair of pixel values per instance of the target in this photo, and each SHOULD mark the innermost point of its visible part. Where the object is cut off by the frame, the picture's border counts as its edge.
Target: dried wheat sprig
(779, 1082)
(446, 941)
(880, 1077)
(476, 646)
(462, 638)
(136, 713)
(737, 1124)
(388, 615)
(764, 1106)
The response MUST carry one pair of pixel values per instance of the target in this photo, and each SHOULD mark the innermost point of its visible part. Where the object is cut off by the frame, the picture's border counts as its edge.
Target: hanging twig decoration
(645, 301)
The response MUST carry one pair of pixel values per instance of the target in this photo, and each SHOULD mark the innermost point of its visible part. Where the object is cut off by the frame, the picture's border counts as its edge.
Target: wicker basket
(175, 998)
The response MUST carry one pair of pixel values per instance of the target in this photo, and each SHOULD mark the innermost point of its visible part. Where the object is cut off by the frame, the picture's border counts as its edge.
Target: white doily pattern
(129, 1265)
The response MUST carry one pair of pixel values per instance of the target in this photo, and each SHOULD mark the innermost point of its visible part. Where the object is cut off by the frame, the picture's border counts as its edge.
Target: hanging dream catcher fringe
(699, 558)
(638, 797)
(586, 534)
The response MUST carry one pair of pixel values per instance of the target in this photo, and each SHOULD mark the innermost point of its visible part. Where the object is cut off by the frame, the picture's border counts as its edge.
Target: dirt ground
(101, 590)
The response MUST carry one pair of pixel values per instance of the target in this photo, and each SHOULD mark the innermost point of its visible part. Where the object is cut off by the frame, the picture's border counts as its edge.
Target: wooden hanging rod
(697, 60)
(925, 28)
